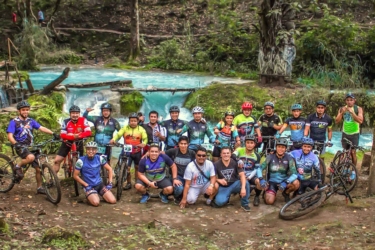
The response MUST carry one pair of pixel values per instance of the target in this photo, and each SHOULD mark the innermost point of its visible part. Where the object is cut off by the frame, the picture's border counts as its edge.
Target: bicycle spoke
(6, 174)
(51, 184)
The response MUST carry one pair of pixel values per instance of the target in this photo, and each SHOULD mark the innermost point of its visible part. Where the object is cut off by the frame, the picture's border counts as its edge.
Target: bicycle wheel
(6, 174)
(51, 183)
(323, 170)
(302, 205)
(121, 178)
(349, 175)
(76, 184)
(67, 174)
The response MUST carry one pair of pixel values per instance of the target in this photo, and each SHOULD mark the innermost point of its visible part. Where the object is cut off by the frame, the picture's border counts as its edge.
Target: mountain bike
(317, 150)
(50, 181)
(121, 169)
(309, 201)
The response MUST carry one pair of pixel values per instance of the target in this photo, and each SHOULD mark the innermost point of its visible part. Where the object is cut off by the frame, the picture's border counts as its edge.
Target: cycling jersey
(265, 120)
(318, 126)
(196, 132)
(251, 161)
(226, 135)
(22, 130)
(245, 125)
(297, 127)
(90, 169)
(350, 126)
(132, 136)
(305, 164)
(104, 131)
(171, 127)
(151, 132)
(279, 169)
(155, 170)
(81, 127)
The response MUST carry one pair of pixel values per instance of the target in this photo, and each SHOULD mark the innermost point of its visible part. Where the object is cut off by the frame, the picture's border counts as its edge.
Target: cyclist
(296, 124)
(246, 123)
(270, 123)
(172, 125)
(249, 160)
(152, 173)
(352, 115)
(135, 135)
(89, 167)
(105, 126)
(281, 173)
(73, 129)
(230, 180)
(317, 124)
(20, 135)
(197, 129)
(141, 118)
(225, 133)
(306, 162)
(155, 132)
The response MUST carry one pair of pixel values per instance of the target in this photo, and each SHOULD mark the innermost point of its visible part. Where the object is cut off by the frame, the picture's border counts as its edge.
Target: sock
(257, 192)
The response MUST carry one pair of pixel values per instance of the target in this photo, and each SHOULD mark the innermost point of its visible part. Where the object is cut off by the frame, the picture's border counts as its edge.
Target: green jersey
(350, 126)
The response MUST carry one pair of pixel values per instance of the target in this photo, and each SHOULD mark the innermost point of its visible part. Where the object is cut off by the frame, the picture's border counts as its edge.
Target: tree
(277, 48)
(134, 30)
(371, 178)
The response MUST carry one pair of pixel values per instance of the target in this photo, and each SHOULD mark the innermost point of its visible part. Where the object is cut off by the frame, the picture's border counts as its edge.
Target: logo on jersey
(227, 173)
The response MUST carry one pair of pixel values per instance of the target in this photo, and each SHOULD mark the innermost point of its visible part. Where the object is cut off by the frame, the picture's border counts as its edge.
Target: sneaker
(177, 201)
(19, 172)
(246, 208)
(40, 190)
(145, 197)
(213, 204)
(286, 197)
(128, 186)
(256, 201)
(164, 198)
(208, 202)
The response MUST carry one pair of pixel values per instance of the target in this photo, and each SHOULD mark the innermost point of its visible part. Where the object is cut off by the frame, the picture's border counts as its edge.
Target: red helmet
(247, 105)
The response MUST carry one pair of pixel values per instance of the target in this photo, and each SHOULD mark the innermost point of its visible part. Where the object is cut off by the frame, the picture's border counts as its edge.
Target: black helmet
(269, 104)
(174, 109)
(321, 102)
(282, 141)
(229, 113)
(250, 138)
(133, 115)
(106, 106)
(74, 108)
(23, 104)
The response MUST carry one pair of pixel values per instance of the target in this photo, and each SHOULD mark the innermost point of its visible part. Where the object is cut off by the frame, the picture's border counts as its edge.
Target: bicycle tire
(120, 181)
(76, 184)
(51, 182)
(323, 170)
(67, 174)
(307, 198)
(6, 173)
(345, 171)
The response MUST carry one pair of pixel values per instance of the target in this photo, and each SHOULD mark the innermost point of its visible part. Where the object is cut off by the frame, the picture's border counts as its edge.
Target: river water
(158, 101)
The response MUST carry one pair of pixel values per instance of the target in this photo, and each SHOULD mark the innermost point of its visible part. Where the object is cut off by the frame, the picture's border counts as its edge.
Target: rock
(366, 163)
(59, 234)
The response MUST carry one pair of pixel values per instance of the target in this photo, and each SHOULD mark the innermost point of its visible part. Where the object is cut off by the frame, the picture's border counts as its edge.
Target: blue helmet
(296, 106)
(269, 104)
(307, 141)
(321, 102)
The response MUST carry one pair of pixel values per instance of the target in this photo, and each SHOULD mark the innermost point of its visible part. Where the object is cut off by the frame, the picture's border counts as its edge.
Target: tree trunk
(48, 89)
(371, 178)
(277, 49)
(134, 30)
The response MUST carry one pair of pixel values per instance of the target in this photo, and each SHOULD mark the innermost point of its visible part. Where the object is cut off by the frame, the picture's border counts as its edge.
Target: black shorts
(305, 184)
(136, 158)
(40, 20)
(353, 138)
(252, 180)
(273, 187)
(65, 149)
(98, 189)
(23, 153)
(166, 182)
(216, 151)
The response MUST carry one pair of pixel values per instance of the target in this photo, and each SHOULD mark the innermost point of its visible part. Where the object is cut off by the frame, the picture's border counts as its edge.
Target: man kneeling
(89, 167)
(231, 180)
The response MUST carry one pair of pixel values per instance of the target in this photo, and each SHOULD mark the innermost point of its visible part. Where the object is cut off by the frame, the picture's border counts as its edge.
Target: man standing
(40, 17)
(172, 126)
(155, 132)
(246, 123)
(199, 178)
(231, 180)
(270, 123)
(353, 118)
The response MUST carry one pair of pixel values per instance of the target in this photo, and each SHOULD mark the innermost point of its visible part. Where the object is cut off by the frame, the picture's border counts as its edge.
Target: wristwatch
(211, 185)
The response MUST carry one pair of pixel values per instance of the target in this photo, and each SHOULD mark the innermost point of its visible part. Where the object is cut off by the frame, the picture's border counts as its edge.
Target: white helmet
(197, 109)
(91, 144)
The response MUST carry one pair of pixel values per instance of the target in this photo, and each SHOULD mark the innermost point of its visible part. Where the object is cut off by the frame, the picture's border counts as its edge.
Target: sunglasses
(199, 155)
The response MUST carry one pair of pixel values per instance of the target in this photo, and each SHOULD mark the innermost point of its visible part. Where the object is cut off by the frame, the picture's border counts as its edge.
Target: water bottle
(352, 176)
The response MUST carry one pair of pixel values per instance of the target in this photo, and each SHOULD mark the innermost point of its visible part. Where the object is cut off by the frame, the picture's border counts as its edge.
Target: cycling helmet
(269, 104)
(133, 115)
(23, 104)
(197, 109)
(231, 113)
(91, 144)
(247, 105)
(349, 95)
(282, 141)
(321, 102)
(250, 138)
(296, 106)
(74, 108)
(174, 109)
(307, 141)
(106, 106)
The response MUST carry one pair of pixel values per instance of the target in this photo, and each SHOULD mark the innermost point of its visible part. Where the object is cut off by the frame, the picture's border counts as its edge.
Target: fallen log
(113, 84)
(48, 89)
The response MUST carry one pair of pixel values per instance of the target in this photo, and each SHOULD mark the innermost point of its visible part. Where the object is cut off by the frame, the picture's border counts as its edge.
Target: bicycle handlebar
(353, 146)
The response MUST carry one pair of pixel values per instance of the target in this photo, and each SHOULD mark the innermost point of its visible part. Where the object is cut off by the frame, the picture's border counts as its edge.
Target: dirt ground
(130, 225)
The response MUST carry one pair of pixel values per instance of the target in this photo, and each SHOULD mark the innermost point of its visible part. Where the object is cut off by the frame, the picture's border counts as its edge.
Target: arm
(144, 137)
(243, 184)
(184, 196)
(119, 134)
(11, 138)
(257, 130)
(45, 130)
(183, 130)
(329, 133)
(293, 170)
(211, 136)
(110, 172)
(358, 118)
(307, 130)
(117, 125)
(285, 125)
(89, 118)
(340, 114)
(279, 125)
(260, 170)
(78, 179)
(86, 131)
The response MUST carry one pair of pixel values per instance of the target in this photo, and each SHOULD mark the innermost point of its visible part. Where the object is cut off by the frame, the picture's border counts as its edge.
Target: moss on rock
(4, 227)
(131, 102)
(62, 238)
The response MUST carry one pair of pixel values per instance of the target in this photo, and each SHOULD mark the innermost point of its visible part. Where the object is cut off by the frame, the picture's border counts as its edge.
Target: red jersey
(81, 127)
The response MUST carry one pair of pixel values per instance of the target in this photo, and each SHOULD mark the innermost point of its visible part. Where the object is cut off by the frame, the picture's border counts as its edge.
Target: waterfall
(4, 102)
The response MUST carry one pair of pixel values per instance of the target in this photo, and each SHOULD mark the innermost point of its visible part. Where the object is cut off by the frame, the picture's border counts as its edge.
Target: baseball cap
(350, 95)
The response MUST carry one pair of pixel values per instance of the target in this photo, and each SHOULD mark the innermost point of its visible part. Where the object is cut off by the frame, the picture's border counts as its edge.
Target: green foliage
(23, 74)
(131, 102)
(63, 56)
(63, 239)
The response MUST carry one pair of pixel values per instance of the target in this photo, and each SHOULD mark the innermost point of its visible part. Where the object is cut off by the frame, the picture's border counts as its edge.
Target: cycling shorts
(166, 182)
(272, 188)
(65, 149)
(23, 153)
(136, 158)
(98, 189)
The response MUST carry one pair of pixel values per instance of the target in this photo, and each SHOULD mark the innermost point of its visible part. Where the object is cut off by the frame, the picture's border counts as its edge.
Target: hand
(56, 136)
(153, 185)
(277, 135)
(270, 124)
(183, 203)
(343, 110)
(260, 139)
(216, 131)
(141, 145)
(240, 164)
(89, 109)
(178, 131)
(329, 144)
(222, 182)
(263, 183)
(112, 142)
(177, 182)
(18, 145)
(157, 133)
(300, 170)
(283, 186)
(109, 186)
(209, 190)
(243, 192)
(203, 120)
(88, 188)
(217, 142)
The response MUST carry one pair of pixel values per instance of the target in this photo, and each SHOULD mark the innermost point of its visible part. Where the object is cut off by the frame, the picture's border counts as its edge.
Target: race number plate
(101, 150)
(128, 148)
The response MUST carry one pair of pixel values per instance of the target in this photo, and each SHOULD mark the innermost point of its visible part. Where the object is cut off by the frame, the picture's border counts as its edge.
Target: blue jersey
(90, 169)
(171, 127)
(22, 130)
(155, 170)
(306, 164)
(297, 128)
(197, 131)
(279, 169)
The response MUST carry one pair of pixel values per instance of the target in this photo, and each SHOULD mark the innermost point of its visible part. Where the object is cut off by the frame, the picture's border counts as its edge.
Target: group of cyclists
(165, 158)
